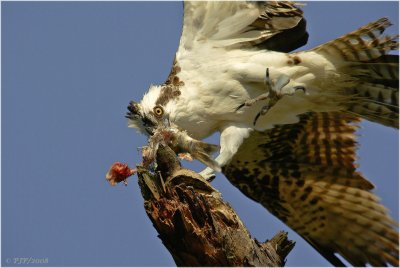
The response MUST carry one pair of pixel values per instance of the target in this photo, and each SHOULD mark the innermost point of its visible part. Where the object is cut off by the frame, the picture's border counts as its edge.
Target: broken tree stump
(196, 225)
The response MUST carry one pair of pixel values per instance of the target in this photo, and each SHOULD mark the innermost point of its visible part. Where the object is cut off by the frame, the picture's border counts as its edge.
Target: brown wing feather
(273, 25)
(286, 20)
(305, 175)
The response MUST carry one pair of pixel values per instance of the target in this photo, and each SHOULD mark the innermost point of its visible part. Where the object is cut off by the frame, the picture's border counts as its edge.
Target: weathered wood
(196, 225)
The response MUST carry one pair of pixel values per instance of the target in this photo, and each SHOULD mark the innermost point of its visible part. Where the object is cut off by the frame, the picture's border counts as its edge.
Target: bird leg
(231, 139)
(276, 90)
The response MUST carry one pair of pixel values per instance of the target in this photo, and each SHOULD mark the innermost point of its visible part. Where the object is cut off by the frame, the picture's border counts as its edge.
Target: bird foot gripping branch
(179, 141)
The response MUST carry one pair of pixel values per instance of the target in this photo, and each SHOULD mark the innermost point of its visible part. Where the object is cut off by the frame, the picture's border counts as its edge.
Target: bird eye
(158, 111)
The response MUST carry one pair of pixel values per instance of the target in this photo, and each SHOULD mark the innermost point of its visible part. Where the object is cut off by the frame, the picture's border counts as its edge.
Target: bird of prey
(287, 119)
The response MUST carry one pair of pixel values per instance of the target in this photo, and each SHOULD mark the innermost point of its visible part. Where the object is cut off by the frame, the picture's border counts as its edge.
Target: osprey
(287, 120)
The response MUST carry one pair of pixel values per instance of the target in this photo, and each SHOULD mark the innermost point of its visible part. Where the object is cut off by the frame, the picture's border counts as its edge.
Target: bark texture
(196, 225)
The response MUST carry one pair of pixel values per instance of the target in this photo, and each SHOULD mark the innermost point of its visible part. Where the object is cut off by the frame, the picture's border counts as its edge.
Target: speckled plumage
(305, 175)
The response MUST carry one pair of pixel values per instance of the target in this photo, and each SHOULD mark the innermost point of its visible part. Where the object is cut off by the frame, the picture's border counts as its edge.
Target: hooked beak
(135, 114)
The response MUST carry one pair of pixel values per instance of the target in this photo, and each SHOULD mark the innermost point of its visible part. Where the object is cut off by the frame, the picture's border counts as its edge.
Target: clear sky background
(69, 69)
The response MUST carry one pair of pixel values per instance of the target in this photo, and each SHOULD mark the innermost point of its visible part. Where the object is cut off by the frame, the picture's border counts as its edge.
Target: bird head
(153, 111)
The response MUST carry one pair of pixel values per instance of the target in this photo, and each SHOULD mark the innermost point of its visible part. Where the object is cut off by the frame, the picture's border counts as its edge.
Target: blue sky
(69, 69)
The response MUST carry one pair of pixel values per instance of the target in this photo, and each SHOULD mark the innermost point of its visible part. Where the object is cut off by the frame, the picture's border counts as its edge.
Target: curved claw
(211, 178)
(255, 119)
(263, 111)
(267, 80)
(208, 174)
(300, 88)
(240, 106)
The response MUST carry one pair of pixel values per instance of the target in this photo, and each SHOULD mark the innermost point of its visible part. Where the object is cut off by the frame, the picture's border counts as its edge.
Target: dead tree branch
(196, 225)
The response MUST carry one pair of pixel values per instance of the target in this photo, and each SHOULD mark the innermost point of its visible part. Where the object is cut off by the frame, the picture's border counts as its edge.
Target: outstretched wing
(209, 25)
(276, 26)
(305, 175)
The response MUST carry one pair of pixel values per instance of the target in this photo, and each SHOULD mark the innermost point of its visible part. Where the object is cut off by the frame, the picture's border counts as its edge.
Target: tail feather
(379, 94)
(362, 56)
(376, 112)
(362, 45)
(379, 71)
